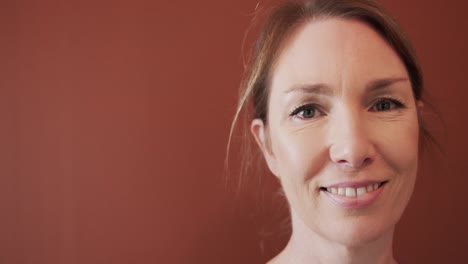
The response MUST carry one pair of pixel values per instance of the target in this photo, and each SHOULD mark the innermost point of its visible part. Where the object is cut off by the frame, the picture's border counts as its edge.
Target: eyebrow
(320, 88)
(381, 84)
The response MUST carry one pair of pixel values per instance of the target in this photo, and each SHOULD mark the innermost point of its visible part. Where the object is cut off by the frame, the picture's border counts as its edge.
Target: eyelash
(397, 104)
(304, 107)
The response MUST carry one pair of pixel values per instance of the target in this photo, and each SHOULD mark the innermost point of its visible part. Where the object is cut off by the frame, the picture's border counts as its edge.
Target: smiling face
(342, 130)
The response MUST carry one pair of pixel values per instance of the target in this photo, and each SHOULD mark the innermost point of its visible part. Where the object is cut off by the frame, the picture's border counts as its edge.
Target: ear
(420, 106)
(261, 135)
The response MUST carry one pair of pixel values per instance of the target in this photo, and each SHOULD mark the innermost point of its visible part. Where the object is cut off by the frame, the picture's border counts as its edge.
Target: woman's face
(342, 130)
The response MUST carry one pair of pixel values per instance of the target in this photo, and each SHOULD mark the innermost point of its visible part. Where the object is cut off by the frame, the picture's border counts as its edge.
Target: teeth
(350, 192)
(353, 192)
(341, 191)
(361, 190)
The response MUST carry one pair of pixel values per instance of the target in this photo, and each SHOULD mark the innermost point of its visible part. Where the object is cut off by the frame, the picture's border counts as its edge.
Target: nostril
(356, 164)
(366, 162)
(352, 152)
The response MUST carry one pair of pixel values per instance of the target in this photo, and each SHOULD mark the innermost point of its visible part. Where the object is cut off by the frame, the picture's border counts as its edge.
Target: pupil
(384, 106)
(308, 113)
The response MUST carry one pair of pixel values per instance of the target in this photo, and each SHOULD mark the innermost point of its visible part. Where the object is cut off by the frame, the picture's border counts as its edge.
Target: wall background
(115, 117)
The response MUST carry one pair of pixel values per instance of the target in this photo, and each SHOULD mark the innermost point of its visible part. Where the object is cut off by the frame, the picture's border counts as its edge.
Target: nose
(350, 144)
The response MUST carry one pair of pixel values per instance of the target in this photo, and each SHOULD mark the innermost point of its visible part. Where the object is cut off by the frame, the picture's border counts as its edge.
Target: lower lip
(355, 202)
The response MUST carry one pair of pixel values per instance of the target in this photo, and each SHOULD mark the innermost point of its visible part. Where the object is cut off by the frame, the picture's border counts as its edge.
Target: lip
(353, 184)
(355, 202)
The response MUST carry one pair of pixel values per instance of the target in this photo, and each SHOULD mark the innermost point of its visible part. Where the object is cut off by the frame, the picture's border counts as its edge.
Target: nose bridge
(349, 142)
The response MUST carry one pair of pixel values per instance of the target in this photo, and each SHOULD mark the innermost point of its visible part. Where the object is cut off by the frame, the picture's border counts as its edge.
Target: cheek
(300, 153)
(399, 146)
(399, 150)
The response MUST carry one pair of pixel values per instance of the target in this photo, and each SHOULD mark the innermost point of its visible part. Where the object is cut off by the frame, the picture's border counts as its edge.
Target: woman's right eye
(306, 112)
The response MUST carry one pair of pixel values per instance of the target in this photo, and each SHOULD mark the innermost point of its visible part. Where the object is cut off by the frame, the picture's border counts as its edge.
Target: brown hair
(280, 22)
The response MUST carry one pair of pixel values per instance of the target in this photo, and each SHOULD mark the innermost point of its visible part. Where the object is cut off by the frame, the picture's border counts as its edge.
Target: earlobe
(420, 108)
(260, 133)
(420, 105)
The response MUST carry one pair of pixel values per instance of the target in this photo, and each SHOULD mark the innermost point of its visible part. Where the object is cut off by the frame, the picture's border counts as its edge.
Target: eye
(387, 104)
(306, 112)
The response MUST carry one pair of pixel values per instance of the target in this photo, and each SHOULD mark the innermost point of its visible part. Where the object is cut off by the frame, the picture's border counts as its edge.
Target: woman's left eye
(386, 104)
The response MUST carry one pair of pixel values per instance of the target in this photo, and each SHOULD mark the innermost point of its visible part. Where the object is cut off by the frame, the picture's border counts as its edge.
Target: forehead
(337, 52)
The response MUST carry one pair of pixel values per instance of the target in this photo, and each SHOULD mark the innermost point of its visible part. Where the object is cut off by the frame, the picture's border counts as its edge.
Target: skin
(350, 128)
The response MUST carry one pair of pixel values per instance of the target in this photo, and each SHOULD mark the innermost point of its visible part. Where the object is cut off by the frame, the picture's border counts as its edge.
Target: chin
(359, 231)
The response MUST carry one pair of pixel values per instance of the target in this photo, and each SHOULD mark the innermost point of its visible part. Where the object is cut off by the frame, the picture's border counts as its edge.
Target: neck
(306, 246)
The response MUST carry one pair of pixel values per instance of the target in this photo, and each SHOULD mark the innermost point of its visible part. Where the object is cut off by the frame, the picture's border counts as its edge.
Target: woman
(336, 95)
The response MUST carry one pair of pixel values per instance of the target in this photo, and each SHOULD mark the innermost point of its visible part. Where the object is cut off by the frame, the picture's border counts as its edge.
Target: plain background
(114, 122)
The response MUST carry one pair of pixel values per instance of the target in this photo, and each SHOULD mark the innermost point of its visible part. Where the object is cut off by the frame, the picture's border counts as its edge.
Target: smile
(354, 191)
(353, 195)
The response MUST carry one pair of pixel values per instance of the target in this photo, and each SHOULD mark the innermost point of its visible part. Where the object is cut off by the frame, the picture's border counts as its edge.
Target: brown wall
(115, 116)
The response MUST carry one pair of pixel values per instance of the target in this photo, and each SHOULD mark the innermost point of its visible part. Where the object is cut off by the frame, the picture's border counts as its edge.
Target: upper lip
(354, 184)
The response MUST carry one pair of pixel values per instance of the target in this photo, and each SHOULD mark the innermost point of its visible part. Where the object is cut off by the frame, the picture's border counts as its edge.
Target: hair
(283, 20)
